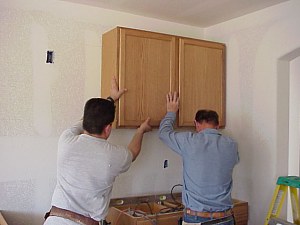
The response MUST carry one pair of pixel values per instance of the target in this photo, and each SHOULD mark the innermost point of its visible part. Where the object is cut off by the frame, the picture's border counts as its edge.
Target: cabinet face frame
(201, 79)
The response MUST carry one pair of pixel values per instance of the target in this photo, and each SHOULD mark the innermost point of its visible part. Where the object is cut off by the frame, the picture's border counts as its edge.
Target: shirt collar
(210, 131)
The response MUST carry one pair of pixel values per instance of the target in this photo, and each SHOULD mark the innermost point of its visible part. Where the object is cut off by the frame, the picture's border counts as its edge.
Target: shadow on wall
(21, 218)
(287, 116)
(17, 218)
(283, 108)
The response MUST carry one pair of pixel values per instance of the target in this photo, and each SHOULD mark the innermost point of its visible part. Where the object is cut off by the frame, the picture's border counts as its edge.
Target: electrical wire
(144, 215)
(166, 210)
(176, 185)
(179, 206)
(149, 206)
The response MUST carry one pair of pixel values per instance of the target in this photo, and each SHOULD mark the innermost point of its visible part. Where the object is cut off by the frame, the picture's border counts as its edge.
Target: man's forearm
(167, 122)
(136, 143)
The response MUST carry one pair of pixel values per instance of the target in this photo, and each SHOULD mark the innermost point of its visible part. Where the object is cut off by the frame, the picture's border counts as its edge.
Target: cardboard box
(240, 210)
(144, 210)
(2, 220)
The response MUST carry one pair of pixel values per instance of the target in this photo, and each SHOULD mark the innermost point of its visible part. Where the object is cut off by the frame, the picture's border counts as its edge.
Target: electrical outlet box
(50, 57)
(166, 163)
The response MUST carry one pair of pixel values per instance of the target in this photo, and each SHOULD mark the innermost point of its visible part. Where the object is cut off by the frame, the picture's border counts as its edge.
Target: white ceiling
(200, 13)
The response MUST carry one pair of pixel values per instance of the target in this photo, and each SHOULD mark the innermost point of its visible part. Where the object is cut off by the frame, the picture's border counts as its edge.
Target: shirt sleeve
(121, 157)
(174, 140)
(72, 133)
(127, 161)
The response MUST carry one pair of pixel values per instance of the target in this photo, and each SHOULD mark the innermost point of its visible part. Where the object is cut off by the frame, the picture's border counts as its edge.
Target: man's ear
(107, 130)
(197, 124)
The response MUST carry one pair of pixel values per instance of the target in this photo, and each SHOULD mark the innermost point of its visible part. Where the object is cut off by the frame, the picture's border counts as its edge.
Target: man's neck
(102, 136)
(204, 125)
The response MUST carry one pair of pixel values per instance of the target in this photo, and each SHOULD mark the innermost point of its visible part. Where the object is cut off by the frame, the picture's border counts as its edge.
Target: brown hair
(208, 116)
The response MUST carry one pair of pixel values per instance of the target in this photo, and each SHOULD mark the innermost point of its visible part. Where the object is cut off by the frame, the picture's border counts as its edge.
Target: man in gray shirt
(208, 161)
(88, 164)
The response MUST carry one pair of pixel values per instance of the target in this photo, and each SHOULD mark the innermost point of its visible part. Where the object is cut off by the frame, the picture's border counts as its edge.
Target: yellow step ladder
(280, 192)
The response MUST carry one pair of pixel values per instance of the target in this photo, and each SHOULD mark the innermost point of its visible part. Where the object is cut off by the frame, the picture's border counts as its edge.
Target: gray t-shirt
(208, 161)
(86, 170)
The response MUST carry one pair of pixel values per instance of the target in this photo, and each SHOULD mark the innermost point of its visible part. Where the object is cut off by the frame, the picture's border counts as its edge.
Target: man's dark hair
(98, 113)
(208, 116)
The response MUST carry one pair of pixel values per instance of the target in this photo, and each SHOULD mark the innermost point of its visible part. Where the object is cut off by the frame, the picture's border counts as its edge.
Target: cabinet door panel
(201, 79)
(147, 70)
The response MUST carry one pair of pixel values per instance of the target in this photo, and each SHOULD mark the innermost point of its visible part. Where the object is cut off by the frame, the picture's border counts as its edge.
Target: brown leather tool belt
(214, 215)
(212, 222)
(77, 218)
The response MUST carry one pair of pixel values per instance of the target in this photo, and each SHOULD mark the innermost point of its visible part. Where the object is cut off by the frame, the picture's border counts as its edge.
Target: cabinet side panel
(109, 60)
(109, 66)
(201, 79)
(223, 107)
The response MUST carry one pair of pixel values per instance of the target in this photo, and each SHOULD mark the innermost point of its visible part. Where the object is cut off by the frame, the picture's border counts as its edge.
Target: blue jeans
(197, 219)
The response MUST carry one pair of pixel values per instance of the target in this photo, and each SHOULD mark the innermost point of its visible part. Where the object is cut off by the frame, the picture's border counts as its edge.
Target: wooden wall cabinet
(152, 64)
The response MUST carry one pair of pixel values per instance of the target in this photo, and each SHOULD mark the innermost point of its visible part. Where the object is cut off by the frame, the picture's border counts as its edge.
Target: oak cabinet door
(146, 66)
(201, 79)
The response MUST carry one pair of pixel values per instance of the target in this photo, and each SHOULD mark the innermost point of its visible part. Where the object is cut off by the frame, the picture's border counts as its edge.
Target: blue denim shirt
(208, 160)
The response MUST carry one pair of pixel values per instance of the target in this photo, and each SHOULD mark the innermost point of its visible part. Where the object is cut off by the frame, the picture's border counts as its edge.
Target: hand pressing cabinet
(152, 64)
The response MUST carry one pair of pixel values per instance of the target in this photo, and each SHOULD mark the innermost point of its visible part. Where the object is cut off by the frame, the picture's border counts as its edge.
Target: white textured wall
(260, 47)
(39, 100)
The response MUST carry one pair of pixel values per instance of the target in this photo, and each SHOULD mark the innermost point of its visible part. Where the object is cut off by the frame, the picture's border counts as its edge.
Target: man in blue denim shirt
(208, 161)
